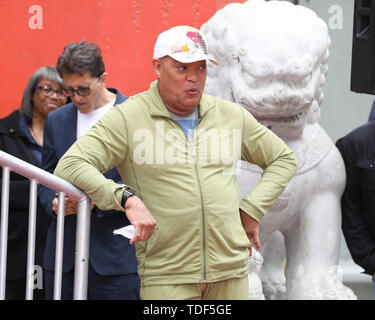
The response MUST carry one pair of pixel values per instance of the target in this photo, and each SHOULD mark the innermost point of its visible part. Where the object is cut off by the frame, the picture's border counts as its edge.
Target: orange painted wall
(124, 29)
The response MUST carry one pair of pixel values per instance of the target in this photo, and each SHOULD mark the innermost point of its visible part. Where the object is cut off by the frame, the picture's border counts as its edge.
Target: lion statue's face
(272, 61)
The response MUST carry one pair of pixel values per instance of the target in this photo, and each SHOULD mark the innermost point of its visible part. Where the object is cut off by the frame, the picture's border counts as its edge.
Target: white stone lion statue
(273, 61)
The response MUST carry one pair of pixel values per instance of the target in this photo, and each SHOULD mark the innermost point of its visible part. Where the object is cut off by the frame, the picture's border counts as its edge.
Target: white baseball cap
(184, 44)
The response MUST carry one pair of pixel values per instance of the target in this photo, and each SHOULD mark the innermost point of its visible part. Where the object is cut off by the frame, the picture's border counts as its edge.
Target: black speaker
(363, 59)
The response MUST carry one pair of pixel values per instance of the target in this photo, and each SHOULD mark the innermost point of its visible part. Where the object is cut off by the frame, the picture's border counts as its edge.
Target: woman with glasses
(21, 135)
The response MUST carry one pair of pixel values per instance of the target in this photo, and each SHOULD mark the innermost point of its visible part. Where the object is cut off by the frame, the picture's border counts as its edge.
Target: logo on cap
(197, 39)
(184, 44)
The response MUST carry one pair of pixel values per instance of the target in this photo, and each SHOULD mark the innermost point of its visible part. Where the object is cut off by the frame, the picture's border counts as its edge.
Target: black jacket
(15, 142)
(358, 201)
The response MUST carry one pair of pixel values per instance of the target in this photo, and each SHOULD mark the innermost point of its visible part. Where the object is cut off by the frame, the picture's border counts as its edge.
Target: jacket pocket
(366, 164)
(366, 171)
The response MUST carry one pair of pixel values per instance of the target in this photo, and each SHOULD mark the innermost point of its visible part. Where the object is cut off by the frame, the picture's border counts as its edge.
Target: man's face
(85, 104)
(180, 84)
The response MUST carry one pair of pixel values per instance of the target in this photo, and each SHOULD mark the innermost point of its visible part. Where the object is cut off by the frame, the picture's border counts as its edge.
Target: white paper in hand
(127, 232)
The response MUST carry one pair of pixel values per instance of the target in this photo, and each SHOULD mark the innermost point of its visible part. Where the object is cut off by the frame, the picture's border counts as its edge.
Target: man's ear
(103, 78)
(157, 66)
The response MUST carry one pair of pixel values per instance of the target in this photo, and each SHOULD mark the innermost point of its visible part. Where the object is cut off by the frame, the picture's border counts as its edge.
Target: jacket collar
(120, 98)
(72, 111)
(158, 108)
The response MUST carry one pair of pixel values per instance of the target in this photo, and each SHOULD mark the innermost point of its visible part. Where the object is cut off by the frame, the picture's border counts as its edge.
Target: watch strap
(126, 194)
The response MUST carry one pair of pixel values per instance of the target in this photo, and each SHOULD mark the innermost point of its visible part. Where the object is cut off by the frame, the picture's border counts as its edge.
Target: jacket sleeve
(49, 162)
(354, 226)
(262, 147)
(102, 148)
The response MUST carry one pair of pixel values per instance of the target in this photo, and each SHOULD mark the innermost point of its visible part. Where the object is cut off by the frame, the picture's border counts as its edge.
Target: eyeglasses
(47, 91)
(81, 91)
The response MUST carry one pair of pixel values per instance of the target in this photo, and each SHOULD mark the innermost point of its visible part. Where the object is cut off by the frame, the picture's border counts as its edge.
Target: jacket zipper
(203, 220)
(192, 146)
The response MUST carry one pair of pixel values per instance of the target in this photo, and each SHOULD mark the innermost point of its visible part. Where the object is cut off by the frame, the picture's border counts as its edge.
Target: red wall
(124, 29)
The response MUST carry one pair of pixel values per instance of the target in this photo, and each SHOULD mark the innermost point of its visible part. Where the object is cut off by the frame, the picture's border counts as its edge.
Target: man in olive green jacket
(176, 149)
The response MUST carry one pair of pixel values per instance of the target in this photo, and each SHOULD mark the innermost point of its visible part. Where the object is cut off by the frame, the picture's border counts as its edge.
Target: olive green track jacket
(190, 188)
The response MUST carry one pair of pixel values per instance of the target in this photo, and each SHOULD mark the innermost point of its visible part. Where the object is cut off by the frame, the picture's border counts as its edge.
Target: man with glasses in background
(113, 265)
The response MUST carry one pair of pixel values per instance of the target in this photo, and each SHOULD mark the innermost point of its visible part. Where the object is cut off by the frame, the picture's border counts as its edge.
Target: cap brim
(185, 58)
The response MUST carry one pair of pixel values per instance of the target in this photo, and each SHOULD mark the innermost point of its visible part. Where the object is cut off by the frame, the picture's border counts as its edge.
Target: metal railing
(64, 188)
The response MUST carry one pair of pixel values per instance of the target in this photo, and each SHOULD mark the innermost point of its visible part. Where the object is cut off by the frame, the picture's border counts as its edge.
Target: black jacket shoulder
(9, 124)
(358, 143)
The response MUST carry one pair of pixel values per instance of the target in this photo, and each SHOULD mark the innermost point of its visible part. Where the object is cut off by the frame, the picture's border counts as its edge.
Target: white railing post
(82, 250)
(59, 250)
(31, 240)
(4, 230)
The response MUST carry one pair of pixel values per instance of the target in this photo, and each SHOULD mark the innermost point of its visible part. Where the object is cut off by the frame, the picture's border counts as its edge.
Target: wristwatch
(126, 194)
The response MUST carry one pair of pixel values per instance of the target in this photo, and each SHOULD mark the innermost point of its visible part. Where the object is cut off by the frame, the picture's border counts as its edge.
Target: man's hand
(142, 220)
(251, 227)
(71, 206)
